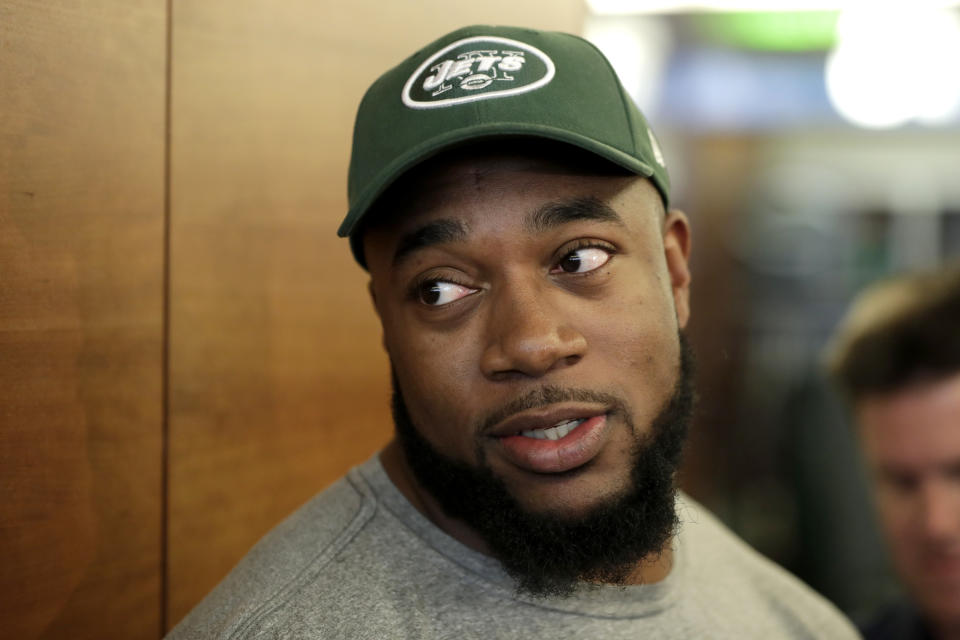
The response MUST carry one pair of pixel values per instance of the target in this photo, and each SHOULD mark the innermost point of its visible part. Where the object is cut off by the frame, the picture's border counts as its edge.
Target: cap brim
(434, 146)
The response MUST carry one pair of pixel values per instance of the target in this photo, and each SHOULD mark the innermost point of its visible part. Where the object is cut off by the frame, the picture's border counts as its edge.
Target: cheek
(640, 333)
(432, 356)
(434, 375)
(639, 358)
(896, 516)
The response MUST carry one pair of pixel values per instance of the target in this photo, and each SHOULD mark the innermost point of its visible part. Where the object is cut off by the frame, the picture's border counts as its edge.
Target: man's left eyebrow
(555, 214)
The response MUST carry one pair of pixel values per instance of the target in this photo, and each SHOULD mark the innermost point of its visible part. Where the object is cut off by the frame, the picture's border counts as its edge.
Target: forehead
(487, 186)
(915, 426)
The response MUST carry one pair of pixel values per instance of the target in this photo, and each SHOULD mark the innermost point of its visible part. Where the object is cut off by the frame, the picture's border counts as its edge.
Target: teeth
(555, 432)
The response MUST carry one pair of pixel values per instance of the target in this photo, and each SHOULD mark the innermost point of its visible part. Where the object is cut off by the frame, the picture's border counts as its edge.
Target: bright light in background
(892, 66)
(638, 49)
(888, 63)
(629, 7)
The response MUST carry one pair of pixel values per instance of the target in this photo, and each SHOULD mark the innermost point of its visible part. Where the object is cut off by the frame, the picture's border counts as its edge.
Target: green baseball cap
(483, 82)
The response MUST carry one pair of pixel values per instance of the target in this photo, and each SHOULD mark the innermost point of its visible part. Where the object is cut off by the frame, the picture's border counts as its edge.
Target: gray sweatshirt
(359, 561)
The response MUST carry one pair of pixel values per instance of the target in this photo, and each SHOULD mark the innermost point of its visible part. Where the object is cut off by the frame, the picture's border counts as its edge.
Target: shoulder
(722, 567)
(297, 549)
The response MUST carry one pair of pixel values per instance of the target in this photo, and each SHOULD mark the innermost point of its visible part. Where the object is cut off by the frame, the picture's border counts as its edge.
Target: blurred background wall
(187, 352)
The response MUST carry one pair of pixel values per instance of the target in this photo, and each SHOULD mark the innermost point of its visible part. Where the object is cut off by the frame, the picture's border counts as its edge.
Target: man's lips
(942, 566)
(573, 450)
(544, 418)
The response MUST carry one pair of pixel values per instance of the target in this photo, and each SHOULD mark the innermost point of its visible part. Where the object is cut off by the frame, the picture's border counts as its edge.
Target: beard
(550, 554)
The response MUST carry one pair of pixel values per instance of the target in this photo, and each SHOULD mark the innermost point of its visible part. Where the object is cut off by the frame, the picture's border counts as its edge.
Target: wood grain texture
(278, 380)
(81, 249)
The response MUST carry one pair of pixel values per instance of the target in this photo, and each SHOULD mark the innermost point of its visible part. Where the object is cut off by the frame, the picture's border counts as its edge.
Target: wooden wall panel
(81, 264)
(278, 381)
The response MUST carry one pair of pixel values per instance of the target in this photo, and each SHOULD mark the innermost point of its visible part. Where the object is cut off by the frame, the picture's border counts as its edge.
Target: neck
(649, 570)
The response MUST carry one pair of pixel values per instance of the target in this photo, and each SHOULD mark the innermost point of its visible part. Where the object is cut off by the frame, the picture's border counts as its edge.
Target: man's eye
(583, 260)
(439, 292)
(901, 482)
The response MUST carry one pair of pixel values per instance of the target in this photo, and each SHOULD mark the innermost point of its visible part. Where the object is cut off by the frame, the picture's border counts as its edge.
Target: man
(897, 357)
(510, 204)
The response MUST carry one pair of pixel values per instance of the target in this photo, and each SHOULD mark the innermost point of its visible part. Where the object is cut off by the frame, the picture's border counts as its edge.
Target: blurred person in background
(896, 357)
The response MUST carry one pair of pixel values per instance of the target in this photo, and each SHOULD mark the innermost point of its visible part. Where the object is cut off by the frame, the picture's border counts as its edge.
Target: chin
(943, 605)
(569, 495)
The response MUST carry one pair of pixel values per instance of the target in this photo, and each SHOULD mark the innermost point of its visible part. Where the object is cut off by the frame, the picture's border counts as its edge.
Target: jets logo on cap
(478, 68)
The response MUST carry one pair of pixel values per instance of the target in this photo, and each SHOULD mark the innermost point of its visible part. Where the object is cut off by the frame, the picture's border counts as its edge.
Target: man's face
(911, 440)
(502, 277)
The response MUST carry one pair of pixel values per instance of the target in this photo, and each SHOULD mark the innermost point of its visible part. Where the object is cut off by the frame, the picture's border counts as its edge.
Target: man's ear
(676, 248)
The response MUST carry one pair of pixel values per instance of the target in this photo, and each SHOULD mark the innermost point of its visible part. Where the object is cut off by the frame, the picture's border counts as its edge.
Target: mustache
(547, 395)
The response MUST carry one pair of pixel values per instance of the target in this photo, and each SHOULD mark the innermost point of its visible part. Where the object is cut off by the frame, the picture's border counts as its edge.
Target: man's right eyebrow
(429, 234)
(555, 214)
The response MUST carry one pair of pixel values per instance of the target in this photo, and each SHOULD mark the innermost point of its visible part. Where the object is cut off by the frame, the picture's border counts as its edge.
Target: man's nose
(528, 335)
(940, 511)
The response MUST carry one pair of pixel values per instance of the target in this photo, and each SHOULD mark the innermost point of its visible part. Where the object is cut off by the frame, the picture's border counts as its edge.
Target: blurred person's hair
(899, 332)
